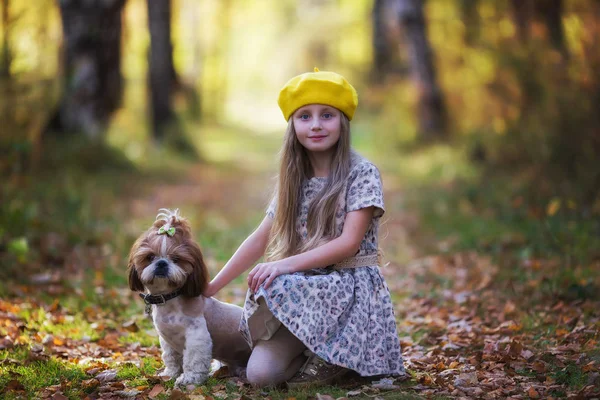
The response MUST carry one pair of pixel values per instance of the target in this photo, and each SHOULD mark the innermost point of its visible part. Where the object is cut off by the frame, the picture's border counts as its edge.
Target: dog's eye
(150, 257)
(175, 259)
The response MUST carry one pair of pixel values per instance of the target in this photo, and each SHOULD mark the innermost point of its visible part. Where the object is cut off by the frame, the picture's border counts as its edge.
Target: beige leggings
(276, 360)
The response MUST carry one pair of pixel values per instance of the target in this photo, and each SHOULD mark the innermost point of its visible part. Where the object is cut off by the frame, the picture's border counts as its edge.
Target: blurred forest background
(484, 117)
(510, 87)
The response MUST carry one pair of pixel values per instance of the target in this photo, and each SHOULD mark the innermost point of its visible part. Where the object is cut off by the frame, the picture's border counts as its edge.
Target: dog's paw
(170, 373)
(190, 378)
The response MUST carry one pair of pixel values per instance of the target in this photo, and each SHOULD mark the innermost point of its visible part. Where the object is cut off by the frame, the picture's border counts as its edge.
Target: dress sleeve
(271, 208)
(365, 189)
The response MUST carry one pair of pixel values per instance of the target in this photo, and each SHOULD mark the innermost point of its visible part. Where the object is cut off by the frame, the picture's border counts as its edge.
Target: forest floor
(481, 321)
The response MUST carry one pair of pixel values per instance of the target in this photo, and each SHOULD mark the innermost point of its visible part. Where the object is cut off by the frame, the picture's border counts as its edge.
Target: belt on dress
(358, 261)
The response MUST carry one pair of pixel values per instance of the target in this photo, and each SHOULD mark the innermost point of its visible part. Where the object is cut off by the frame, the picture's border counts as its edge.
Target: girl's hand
(266, 273)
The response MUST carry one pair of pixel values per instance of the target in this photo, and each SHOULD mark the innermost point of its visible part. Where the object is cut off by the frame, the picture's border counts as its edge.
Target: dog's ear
(135, 283)
(198, 278)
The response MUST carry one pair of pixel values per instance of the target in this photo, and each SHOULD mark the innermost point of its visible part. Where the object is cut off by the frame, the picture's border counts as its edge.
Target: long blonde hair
(294, 169)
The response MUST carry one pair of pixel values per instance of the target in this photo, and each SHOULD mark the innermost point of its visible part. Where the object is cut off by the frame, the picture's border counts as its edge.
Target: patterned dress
(344, 316)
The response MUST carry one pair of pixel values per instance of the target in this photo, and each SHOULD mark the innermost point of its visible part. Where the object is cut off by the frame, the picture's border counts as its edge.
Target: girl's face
(317, 127)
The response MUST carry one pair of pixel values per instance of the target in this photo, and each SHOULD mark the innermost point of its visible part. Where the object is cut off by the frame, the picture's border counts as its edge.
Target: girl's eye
(327, 115)
(304, 117)
(150, 257)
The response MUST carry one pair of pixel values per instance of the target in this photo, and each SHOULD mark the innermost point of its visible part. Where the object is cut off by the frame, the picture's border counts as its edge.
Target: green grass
(478, 216)
(571, 375)
(37, 375)
(142, 336)
(74, 326)
(136, 376)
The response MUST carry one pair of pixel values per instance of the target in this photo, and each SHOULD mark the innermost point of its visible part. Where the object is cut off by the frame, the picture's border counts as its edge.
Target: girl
(321, 287)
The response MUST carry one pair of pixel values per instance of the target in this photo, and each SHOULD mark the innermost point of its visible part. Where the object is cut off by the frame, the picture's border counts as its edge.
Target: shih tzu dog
(166, 265)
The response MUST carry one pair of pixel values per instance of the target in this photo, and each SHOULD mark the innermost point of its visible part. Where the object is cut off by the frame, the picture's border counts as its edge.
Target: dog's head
(165, 258)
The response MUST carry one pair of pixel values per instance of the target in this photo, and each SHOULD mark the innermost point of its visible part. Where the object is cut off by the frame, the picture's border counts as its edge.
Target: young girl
(321, 287)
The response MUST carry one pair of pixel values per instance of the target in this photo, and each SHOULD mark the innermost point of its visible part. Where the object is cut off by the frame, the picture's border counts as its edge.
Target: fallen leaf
(177, 394)
(15, 385)
(539, 366)
(532, 393)
(553, 206)
(466, 379)
(527, 354)
(384, 384)
(509, 307)
(90, 383)
(156, 390)
(222, 372)
(127, 393)
(107, 376)
(324, 397)
(130, 326)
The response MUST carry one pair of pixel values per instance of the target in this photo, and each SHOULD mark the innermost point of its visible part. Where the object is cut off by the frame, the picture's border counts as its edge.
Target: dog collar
(150, 299)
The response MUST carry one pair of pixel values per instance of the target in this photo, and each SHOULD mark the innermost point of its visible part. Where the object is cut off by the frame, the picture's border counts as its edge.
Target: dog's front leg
(197, 354)
(172, 359)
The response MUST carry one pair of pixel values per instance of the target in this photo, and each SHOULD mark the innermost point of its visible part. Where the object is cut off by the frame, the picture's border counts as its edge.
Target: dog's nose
(161, 268)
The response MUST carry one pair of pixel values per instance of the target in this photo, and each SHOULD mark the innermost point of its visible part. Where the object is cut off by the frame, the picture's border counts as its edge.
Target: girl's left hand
(266, 273)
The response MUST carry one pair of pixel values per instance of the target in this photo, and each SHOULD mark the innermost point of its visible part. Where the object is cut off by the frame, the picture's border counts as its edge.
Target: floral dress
(344, 316)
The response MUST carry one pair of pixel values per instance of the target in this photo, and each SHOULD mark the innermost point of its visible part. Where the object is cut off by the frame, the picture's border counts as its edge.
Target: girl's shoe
(316, 372)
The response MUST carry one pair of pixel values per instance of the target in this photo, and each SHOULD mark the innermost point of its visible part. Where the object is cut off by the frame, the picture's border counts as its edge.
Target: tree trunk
(470, 17)
(5, 57)
(381, 49)
(551, 13)
(93, 83)
(522, 12)
(432, 111)
(161, 70)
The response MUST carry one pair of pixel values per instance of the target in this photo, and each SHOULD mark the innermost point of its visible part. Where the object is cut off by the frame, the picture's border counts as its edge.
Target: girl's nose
(316, 124)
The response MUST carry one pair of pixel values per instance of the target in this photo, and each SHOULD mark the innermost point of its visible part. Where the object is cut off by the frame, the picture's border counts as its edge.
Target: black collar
(159, 298)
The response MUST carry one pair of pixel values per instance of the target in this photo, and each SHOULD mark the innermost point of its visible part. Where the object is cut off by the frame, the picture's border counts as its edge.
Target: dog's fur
(192, 328)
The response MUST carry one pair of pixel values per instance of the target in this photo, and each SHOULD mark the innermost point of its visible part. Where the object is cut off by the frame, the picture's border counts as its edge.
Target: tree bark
(522, 12)
(381, 49)
(5, 57)
(470, 17)
(161, 70)
(432, 110)
(93, 83)
(551, 12)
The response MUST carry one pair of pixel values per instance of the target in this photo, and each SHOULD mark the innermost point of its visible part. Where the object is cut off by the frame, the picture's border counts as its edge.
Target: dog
(167, 267)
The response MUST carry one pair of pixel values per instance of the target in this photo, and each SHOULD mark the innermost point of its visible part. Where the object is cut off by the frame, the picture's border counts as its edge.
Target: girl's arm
(246, 255)
(344, 246)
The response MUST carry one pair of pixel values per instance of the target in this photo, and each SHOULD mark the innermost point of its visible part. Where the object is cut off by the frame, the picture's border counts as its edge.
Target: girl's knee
(262, 377)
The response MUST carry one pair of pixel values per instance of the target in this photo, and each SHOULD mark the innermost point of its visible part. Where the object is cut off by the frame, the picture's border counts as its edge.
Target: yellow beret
(319, 87)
